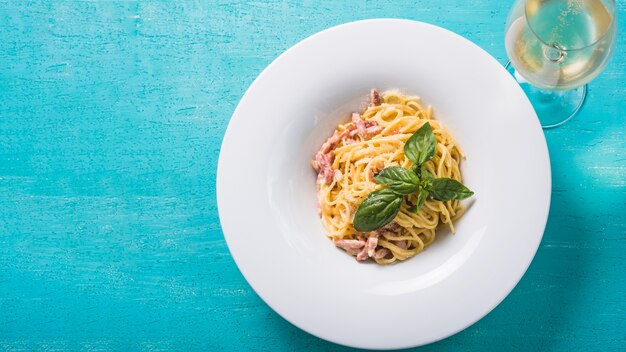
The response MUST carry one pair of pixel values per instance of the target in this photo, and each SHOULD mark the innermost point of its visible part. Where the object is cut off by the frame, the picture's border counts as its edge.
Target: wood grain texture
(111, 119)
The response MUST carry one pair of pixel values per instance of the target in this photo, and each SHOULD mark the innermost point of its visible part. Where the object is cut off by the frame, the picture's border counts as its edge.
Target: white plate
(266, 187)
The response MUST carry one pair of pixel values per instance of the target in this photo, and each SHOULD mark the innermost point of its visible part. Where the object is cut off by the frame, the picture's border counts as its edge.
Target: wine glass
(555, 48)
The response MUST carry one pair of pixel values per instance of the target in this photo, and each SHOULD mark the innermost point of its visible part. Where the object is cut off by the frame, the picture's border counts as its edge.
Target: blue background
(111, 119)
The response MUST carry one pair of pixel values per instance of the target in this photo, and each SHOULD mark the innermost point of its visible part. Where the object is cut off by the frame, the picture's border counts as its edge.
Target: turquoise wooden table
(111, 119)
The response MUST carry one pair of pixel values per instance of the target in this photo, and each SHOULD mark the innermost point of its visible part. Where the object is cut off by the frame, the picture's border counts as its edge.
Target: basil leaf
(399, 180)
(416, 169)
(377, 210)
(426, 182)
(421, 199)
(420, 147)
(445, 189)
(426, 175)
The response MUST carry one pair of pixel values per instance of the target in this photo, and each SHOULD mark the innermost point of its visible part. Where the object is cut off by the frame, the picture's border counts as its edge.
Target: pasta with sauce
(349, 159)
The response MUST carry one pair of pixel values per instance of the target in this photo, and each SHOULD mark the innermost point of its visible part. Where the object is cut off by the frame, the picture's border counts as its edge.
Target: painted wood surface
(111, 119)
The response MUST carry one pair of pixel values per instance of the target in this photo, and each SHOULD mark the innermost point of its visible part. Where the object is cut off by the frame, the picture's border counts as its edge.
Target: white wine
(560, 44)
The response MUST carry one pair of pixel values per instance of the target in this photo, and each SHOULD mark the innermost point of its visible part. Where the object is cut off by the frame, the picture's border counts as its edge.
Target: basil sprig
(380, 207)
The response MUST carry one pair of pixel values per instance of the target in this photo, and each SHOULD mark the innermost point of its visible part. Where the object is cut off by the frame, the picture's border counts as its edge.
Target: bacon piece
(369, 248)
(370, 123)
(351, 246)
(334, 140)
(381, 253)
(364, 128)
(372, 242)
(324, 162)
(362, 255)
(374, 98)
(324, 158)
(391, 227)
(361, 128)
(402, 244)
(314, 165)
(373, 129)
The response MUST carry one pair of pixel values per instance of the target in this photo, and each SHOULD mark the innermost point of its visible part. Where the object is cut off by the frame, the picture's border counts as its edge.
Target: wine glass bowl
(555, 47)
